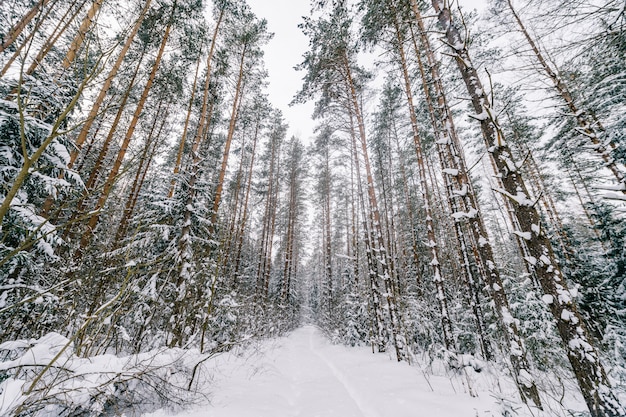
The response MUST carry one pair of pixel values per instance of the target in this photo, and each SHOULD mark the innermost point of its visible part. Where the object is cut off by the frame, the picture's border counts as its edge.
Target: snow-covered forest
(460, 207)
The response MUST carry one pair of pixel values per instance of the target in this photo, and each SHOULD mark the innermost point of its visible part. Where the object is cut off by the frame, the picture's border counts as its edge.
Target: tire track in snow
(361, 404)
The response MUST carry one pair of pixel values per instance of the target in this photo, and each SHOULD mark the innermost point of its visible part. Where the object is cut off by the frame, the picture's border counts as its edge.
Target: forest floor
(304, 375)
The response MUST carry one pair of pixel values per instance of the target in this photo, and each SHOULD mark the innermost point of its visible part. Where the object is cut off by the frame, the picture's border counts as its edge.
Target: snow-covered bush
(43, 377)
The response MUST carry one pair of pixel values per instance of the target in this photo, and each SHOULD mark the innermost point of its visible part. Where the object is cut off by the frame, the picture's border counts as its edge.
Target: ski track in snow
(352, 392)
(304, 375)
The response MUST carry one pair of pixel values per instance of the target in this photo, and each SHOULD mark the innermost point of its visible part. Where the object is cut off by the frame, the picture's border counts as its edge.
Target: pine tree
(582, 355)
(333, 75)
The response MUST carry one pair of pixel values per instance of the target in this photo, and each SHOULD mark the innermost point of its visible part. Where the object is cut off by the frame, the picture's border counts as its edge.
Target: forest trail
(304, 375)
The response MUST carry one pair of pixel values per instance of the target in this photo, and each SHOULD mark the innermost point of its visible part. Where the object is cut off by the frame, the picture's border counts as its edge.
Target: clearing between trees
(305, 375)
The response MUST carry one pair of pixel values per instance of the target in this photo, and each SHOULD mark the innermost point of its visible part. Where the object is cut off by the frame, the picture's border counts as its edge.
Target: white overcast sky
(282, 54)
(285, 51)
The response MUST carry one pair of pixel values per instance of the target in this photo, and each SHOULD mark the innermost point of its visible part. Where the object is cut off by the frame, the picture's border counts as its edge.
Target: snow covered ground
(304, 375)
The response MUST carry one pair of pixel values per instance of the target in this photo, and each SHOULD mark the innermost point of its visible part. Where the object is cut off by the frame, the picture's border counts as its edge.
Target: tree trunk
(438, 278)
(93, 220)
(379, 336)
(398, 339)
(582, 355)
(16, 30)
(290, 238)
(231, 131)
(145, 160)
(48, 45)
(80, 36)
(584, 120)
(90, 185)
(244, 218)
(328, 266)
(183, 137)
(52, 40)
(269, 215)
(185, 235)
(95, 108)
(203, 120)
(450, 154)
(451, 159)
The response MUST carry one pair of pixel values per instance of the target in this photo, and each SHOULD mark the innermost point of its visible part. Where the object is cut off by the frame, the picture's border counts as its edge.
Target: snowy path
(305, 376)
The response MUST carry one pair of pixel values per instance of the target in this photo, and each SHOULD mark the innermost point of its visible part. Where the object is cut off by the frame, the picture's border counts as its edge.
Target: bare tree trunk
(582, 355)
(438, 278)
(398, 339)
(231, 131)
(93, 220)
(80, 36)
(203, 120)
(379, 336)
(452, 159)
(244, 218)
(206, 113)
(587, 126)
(54, 36)
(95, 108)
(290, 238)
(328, 266)
(16, 30)
(269, 215)
(183, 137)
(90, 185)
(149, 149)
(58, 31)
(451, 162)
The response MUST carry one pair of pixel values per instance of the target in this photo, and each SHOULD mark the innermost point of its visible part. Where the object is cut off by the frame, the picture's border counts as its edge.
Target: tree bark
(16, 30)
(438, 277)
(244, 218)
(398, 339)
(379, 334)
(47, 45)
(269, 215)
(183, 137)
(94, 218)
(203, 120)
(231, 131)
(95, 108)
(82, 32)
(145, 160)
(584, 120)
(58, 31)
(581, 353)
(452, 158)
(90, 185)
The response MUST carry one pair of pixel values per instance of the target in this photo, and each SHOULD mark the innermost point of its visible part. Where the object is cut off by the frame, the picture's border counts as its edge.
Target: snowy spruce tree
(171, 232)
